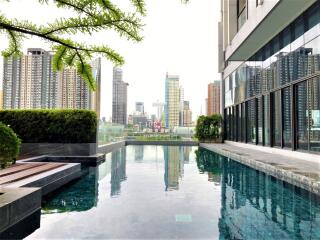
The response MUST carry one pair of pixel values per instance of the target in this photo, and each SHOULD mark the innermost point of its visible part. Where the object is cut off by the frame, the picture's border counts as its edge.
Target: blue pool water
(143, 192)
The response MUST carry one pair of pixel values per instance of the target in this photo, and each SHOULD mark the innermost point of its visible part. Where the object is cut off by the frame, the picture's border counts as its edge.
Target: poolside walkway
(299, 169)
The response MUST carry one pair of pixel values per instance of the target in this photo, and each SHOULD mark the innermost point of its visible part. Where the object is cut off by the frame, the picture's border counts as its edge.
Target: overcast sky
(178, 39)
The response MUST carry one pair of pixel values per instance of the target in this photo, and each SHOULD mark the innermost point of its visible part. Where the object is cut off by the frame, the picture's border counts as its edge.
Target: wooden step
(29, 172)
(18, 167)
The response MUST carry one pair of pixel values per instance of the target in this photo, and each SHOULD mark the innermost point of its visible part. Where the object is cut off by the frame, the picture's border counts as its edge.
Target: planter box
(59, 149)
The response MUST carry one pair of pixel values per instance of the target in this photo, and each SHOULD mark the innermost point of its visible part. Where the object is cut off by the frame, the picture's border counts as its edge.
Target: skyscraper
(213, 104)
(172, 101)
(29, 82)
(119, 98)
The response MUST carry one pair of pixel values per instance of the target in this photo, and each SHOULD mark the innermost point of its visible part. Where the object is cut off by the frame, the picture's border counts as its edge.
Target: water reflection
(257, 206)
(138, 153)
(228, 201)
(174, 160)
(82, 195)
(118, 170)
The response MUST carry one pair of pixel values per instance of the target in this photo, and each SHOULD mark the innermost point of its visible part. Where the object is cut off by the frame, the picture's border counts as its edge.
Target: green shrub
(9, 146)
(209, 128)
(52, 126)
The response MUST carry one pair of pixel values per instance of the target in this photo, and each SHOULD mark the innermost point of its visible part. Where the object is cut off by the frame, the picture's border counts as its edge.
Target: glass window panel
(251, 130)
(313, 16)
(243, 122)
(313, 61)
(276, 120)
(260, 121)
(302, 116)
(314, 114)
(231, 122)
(286, 111)
(286, 37)
(298, 28)
(238, 112)
(266, 120)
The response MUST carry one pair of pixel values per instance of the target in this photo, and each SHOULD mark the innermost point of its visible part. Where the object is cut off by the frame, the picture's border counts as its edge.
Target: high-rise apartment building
(119, 97)
(213, 104)
(271, 81)
(29, 82)
(172, 101)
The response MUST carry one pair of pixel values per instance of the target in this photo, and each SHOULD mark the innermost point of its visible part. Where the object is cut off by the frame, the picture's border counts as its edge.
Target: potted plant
(9, 146)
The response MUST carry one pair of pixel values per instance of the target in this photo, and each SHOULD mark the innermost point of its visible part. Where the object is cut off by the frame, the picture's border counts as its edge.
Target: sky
(178, 39)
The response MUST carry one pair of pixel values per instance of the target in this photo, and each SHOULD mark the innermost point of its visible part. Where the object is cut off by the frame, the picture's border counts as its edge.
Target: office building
(213, 100)
(119, 97)
(172, 101)
(29, 82)
(187, 115)
(270, 72)
(140, 107)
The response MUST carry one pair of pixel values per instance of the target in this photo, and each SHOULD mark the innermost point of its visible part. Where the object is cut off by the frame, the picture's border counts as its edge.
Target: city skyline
(157, 51)
(29, 82)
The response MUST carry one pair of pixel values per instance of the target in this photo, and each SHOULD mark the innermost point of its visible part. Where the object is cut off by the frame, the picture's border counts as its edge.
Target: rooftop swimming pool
(143, 192)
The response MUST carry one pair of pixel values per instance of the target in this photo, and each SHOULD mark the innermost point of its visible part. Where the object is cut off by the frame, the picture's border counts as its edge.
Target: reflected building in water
(255, 205)
(174, 159)
(138, 153)
(118, 170)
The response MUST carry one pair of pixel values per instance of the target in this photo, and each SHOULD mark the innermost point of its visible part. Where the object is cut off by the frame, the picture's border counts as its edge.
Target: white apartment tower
(29, 82)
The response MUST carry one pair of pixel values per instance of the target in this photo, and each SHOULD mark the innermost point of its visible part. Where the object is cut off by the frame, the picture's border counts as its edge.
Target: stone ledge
(17, 204)
(163, 143)
(295, 179)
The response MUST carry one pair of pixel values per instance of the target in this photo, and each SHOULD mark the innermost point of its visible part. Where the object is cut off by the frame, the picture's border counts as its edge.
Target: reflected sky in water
(178, 192)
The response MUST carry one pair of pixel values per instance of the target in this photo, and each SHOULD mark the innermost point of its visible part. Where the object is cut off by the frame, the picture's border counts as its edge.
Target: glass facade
(274, 95)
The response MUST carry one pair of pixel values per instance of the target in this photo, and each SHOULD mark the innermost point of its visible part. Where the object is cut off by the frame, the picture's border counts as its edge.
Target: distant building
(140, 121)
(159, 106)
(29, 82)
(213, 104)
(119, 98)
(181, 108)
(140, 107)
(187, 115)
(172, 101)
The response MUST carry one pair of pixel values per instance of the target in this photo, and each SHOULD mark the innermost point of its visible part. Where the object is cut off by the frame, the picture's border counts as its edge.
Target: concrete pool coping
(302, 171)
(17, 204)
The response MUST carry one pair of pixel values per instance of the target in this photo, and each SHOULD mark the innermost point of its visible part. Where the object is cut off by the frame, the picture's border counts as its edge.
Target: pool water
(163, 192)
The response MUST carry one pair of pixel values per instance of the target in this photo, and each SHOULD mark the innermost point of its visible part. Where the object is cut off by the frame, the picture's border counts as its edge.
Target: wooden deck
(22, 171)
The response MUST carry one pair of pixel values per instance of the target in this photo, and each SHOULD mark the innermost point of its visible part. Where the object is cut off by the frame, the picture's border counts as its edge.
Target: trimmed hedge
(209, 128)
(52, 126)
